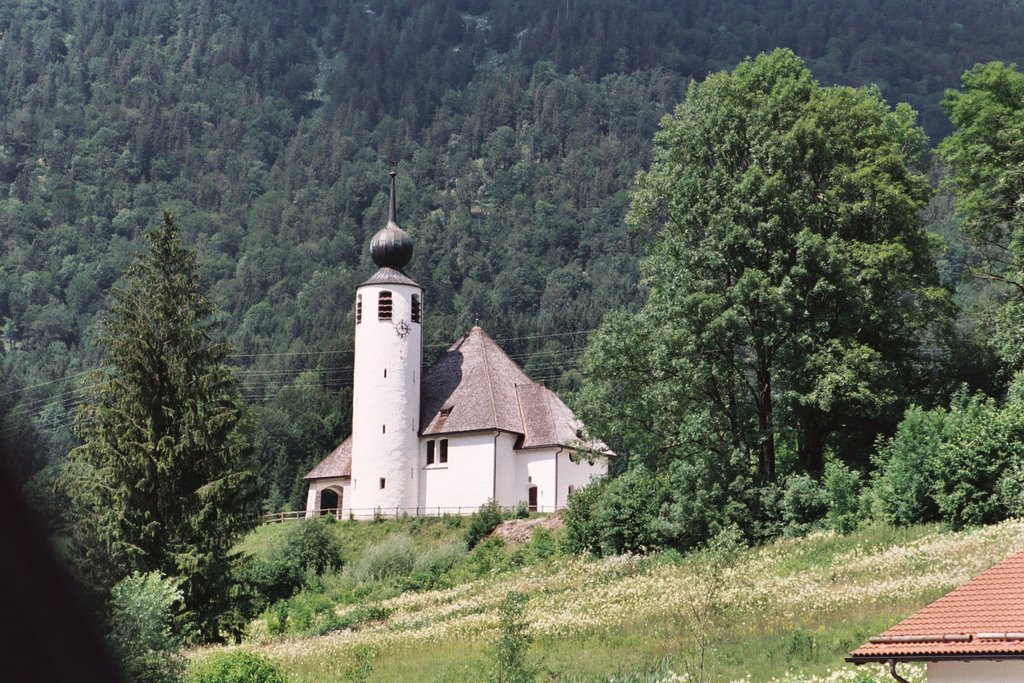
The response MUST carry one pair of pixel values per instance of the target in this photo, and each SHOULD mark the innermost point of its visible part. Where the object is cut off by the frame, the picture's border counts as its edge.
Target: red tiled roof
(984, 618)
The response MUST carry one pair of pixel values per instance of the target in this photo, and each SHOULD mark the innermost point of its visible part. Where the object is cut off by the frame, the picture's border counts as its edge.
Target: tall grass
(791, 610)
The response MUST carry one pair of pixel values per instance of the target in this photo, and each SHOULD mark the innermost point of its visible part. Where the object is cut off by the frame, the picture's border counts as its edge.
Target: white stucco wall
(506, 490)
(466, 481)
(1006, 671)
(339, 485)
(575, 474)
(386, 405)
(536, 467)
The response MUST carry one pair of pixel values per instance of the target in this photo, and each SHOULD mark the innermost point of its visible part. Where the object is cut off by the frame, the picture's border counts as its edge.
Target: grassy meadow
(788, 611)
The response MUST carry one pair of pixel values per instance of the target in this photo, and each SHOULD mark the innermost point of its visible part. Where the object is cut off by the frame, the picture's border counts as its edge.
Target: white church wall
(385, 411)
(506, 490)
(466, 481)
(536, 467)
(575, 474)
(340, 485)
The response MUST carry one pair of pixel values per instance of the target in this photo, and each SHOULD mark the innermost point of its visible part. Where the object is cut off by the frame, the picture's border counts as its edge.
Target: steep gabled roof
(546, 420)
(338, 463)
(472, 387)
(982, 619)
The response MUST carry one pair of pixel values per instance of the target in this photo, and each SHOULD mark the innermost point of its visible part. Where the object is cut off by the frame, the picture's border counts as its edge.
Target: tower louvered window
(384, 306)
(359, 308)
(415, 308)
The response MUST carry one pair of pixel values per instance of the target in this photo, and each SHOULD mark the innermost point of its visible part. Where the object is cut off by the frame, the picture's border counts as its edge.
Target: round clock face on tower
(401, 328)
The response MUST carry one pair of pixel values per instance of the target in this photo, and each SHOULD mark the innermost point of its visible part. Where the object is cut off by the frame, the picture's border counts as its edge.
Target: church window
(442, 456)
(430, 451)
(385, 373)
(382, 482)
(359, 308)
(415, 308)
(384, 306)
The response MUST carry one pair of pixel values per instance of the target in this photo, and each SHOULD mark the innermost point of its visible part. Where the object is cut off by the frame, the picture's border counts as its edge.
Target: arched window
(384, 306)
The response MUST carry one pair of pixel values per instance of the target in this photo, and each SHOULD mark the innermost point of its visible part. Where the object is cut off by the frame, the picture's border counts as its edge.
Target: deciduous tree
(790, 278)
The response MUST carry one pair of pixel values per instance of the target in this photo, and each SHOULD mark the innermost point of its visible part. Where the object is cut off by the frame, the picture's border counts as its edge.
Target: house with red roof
(471, 428)
(975, 633)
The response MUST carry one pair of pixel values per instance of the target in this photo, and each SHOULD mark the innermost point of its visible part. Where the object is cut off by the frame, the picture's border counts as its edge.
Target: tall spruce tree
(162, 481)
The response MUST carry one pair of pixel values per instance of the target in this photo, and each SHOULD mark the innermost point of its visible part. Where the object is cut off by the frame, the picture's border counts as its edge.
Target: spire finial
(391, 201)
(391, 246)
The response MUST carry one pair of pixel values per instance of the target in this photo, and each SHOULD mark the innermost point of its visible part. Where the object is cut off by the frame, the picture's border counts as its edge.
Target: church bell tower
(386, 382)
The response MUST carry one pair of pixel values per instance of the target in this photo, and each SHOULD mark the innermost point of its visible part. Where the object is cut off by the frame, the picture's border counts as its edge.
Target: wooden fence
(394, 513)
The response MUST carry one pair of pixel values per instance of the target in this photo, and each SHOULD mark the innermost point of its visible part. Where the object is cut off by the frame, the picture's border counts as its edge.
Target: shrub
(271, 579)
(542, 544)
(310, 544)
(141, 612)
(704, 497)
(582, 533)
(842, 493)
(627, 510)
(433, 565)
(982, 442)
(394, 557)
(904, 481)
(238, 666)
(804, 504)
(482, 522)
(308, 548)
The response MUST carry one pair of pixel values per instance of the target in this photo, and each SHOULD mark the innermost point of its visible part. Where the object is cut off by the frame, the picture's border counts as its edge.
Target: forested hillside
(267, 127)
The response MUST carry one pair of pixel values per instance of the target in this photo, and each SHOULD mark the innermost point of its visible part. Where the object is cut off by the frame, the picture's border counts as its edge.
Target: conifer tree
(162, 481)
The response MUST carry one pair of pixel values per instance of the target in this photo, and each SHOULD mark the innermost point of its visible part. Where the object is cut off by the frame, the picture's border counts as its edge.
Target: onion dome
(391, 247)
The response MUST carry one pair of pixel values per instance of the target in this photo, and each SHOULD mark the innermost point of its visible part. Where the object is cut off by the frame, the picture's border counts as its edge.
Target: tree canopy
(162, 480)
(791, 279)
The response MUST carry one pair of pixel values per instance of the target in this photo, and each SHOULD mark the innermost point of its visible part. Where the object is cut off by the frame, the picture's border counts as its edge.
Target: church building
(471, 428)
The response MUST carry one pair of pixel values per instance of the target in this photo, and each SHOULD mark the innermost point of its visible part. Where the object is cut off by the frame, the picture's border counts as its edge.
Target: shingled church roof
(338, 462)
(475, 386)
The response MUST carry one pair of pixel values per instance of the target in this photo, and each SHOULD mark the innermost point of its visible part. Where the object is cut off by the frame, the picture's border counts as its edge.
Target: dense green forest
(267, 127)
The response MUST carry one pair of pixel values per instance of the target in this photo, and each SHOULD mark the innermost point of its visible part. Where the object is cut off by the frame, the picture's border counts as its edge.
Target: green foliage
(804, 504)
(394, 557)
(785, 215)
(482, 522)
(361, 668)
(904, 481)
(582, 534)
(680, 508)
(986, 160)
(959, 465)
(982, 443)
(239, 666)
(509, 662)
(626, 517)
(842, 495)
(310, 545)
(142, 609)
(162, 479)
